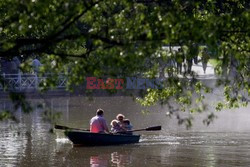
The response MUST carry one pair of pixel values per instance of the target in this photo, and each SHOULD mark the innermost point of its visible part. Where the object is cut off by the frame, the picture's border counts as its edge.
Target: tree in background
(124, 38)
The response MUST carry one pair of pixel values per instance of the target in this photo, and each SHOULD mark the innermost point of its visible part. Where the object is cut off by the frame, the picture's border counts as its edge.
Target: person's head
(126, 121)
(120, 117)
(114, 123)
(99, 112)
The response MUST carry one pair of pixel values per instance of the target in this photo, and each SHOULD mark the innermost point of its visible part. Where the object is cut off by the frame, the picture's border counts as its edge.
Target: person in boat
(120, 118)
(98, 123)
(124, 124)
(127, 126)
(115, 127)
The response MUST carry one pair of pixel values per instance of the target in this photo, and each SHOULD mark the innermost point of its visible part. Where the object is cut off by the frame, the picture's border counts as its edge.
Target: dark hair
(99, 112)
(126, 121)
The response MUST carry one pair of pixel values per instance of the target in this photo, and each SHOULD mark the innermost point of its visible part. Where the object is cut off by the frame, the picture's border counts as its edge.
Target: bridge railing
(22, 82)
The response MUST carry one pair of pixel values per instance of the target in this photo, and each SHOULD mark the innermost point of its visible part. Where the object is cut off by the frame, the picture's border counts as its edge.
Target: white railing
(21, 82)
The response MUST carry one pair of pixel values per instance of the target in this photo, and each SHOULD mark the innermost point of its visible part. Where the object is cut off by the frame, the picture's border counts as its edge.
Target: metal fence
(23, 82)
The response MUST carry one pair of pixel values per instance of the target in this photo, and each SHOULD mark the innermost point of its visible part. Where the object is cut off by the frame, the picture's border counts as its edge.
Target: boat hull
(98, 139)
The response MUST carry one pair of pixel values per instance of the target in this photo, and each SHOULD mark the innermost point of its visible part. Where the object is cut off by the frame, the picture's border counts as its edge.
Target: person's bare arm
(105, 126)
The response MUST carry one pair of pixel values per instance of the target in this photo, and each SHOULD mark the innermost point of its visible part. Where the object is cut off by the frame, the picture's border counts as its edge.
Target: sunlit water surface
(225, 143)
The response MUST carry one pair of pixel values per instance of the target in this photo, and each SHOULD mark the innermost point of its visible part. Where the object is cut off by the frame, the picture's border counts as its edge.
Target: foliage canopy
(119, 38)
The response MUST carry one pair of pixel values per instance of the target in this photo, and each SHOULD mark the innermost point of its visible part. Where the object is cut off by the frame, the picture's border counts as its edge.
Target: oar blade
(153, 128)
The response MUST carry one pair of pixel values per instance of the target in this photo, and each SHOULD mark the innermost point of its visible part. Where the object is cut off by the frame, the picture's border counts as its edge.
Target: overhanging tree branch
(46, 42)
(72, 21)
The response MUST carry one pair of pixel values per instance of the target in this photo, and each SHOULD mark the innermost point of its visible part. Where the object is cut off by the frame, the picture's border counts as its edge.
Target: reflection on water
(120, 159)
(116, 156)
(29, 142)
(115, 159)
(99, 161)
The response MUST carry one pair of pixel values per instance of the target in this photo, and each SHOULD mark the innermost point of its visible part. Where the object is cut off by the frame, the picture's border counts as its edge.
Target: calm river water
(225, 143)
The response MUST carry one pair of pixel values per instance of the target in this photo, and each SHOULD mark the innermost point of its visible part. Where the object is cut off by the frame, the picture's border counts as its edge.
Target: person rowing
(98, 123)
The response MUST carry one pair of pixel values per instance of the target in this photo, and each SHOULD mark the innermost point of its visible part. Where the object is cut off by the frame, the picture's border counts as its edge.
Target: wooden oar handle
(68, 128)
(152, 128)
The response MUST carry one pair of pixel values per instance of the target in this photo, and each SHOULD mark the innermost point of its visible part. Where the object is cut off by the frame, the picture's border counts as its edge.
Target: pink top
(98, 124)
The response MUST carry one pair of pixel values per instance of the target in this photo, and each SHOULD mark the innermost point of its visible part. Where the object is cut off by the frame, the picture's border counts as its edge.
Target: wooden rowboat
(86, 138)
(98, 139)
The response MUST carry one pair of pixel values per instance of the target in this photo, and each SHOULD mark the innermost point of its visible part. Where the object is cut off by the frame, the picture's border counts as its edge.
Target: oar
(68, 128)
(152, 128)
